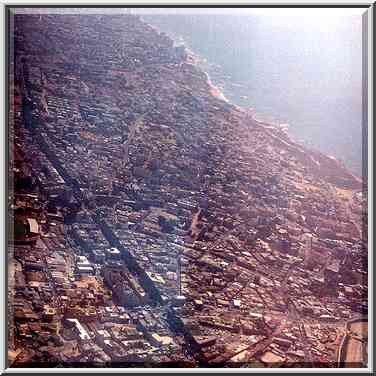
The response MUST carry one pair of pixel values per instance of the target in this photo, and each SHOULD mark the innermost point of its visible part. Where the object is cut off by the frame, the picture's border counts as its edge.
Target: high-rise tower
(178, 273)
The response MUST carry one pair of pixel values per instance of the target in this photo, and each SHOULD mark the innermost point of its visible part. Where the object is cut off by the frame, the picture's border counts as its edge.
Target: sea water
(296, 70)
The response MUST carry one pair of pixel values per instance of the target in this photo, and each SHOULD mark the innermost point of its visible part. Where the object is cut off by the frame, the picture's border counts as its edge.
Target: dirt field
(360, 329)
(356, 347)
(354, 352)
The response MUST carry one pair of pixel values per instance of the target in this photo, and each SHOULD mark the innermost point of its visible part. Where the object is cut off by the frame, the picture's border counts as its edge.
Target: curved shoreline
(256, 116)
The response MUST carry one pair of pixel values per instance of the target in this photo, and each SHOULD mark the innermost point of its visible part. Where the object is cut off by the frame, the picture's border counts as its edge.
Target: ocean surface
(296, 70)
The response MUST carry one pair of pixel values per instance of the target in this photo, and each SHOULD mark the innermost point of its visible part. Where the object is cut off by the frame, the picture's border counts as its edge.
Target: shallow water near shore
(305, 74)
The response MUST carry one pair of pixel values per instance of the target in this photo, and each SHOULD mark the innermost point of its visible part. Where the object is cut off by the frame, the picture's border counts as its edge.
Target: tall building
(179, 299)
(307, 240)
(178, 273)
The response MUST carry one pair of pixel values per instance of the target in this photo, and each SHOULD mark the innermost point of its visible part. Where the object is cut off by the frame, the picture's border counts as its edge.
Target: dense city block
(153, 223)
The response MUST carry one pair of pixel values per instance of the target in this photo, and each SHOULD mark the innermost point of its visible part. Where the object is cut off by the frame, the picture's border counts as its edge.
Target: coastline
(259, 119)
(194, 59)
(211, 148)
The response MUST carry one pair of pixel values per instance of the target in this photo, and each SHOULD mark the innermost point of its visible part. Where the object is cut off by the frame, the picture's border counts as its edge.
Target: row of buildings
(189, 232)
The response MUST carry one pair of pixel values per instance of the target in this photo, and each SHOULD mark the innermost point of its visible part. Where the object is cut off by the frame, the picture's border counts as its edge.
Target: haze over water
(303, 68)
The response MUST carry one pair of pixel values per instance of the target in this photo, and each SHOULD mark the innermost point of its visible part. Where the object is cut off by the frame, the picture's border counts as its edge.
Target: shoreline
(195, 143)
(195, 59)
(258, 117)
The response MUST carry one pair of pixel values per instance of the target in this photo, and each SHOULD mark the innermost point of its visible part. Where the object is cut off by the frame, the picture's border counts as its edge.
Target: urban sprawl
(152, 223)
